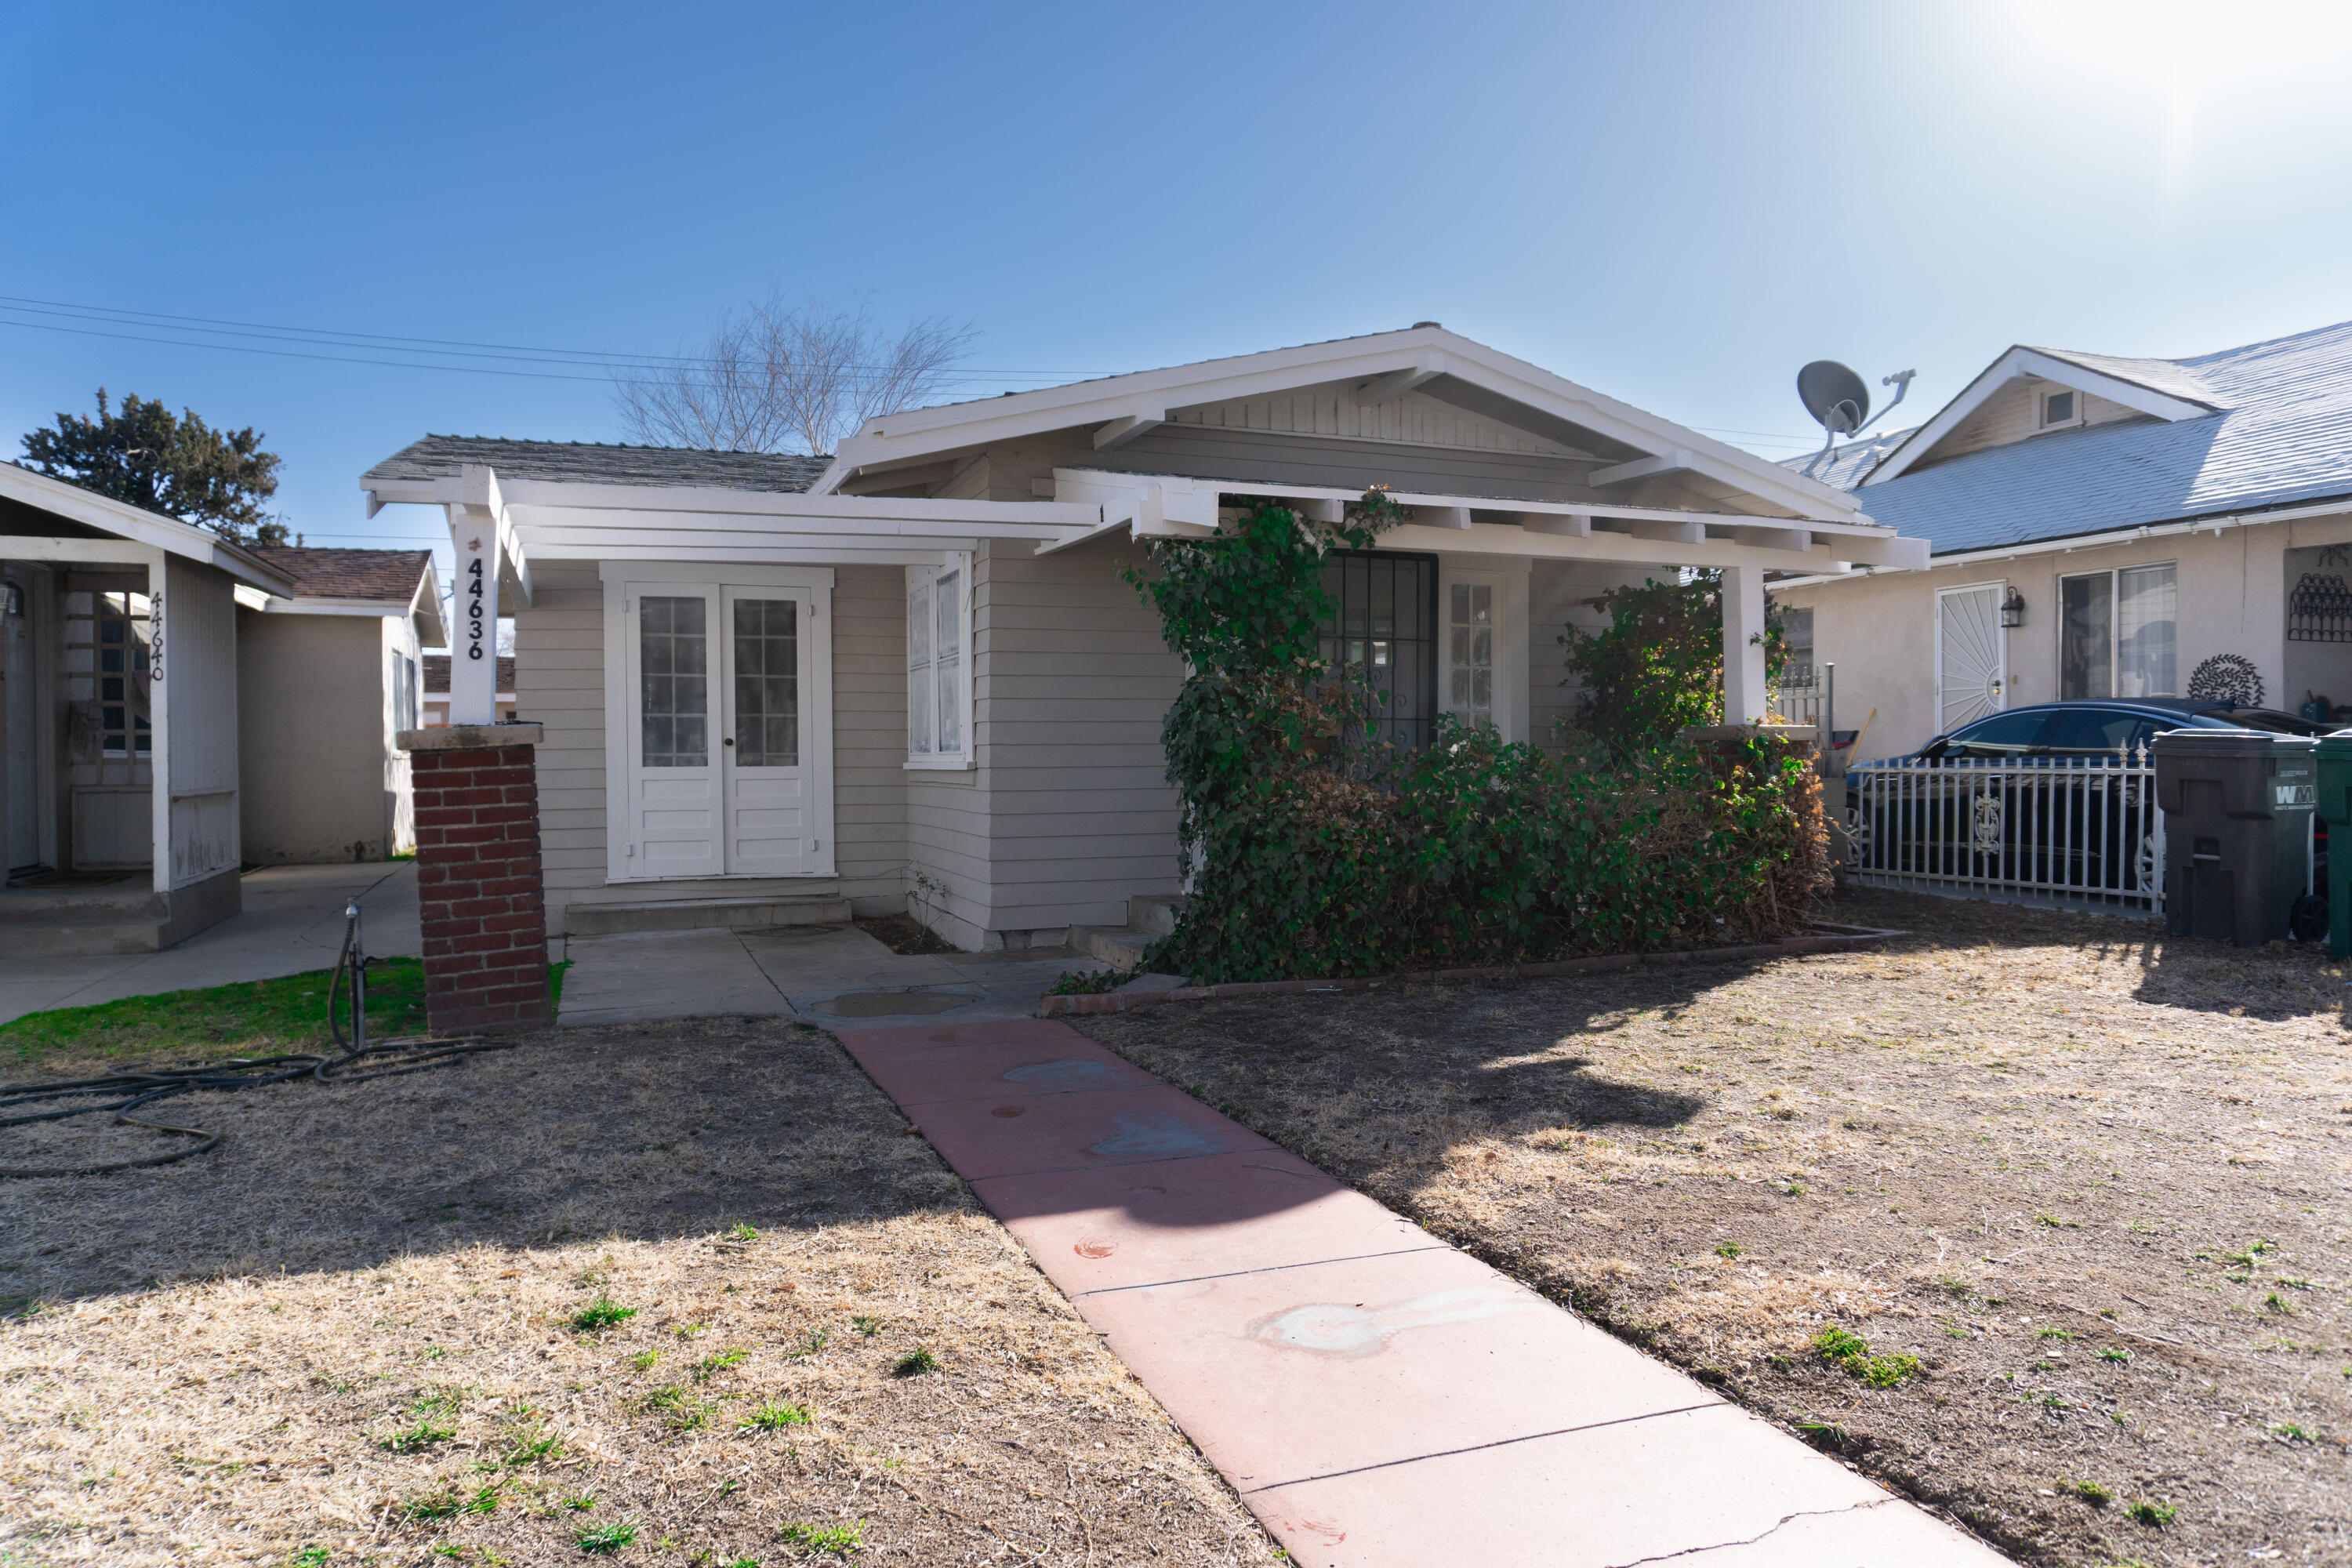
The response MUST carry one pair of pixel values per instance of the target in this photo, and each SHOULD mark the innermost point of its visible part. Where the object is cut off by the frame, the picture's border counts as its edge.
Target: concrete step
(83, 941)
(759, 913)
(1122, 947)
(1156, 912)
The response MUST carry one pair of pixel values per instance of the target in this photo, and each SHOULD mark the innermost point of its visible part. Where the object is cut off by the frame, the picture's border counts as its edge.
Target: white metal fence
(2074, 831)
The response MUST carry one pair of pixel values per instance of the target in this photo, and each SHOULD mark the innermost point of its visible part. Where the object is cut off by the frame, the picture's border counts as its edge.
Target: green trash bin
(2237, 832)
(2334, 755)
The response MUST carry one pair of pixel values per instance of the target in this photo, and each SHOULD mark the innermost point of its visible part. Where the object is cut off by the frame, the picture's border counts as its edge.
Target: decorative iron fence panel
(2072, 831)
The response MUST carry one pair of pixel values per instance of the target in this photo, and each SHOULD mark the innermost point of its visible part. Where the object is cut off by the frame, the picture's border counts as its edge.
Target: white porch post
(159, 719)
(474, 612)
(1745, 698)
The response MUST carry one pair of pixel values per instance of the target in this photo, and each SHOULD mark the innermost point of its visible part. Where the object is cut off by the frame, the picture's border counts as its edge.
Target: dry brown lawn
(349, 1335)
(2095, 1180)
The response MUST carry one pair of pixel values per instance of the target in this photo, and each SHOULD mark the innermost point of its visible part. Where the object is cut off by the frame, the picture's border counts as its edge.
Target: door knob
(728, 742)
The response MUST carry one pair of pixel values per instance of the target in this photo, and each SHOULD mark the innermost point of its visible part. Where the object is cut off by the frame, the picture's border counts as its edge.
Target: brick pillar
(478, 877)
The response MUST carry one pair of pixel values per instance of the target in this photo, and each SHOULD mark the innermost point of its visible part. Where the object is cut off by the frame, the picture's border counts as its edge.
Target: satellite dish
(1833, 395)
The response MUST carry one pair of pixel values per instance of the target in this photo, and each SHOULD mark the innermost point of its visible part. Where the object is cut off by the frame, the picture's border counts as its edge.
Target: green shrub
(1657, 668)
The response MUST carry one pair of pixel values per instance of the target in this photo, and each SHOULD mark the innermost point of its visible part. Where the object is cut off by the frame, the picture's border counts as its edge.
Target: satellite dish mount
(1840, 402)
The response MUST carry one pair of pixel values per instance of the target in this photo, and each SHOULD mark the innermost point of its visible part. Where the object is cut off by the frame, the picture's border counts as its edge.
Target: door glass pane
(2083, 633)
(1471, 633)
(918, 668)
(2143, 631)
(1382, 636)
(674, 695)
(767, 683)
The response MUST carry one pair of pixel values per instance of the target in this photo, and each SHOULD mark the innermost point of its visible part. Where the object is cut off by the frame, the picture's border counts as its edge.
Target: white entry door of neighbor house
(1972, 655)
(724, 720)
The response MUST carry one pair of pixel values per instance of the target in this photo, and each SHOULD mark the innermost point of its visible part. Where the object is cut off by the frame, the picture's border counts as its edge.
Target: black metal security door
(1384, 635)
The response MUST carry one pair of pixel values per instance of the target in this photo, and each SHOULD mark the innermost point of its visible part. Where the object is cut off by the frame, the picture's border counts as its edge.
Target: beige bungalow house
(909, 676)
(327, 675)
(119, 795)
(2101, 527)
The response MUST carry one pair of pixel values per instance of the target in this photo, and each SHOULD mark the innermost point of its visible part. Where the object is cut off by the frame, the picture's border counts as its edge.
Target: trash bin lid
(2219, 743)
(2336, 748)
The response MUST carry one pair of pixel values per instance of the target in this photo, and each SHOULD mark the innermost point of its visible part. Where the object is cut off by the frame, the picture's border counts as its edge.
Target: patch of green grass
(810, 1342)
(1728, 1249)
(2056, 1334)
(743, 1233)
(841, 1539)
(2115, 1354)
(600, 1314)
(605, 1538)
(250, 1018)
(1090, 983)
(578, 1502)
(531, 1444)
(680, 1412)
(2155, 1515)
(442, 1504)
(915, 1363)
(421, 1435)
(309, 1557)
(1851, 1353)
(2092, 1492)
(2293, 1433)
(718, 1362)
(2057, 1223)
(775, 1417)
(2278, 1303)
(869, 1327)
(644, 1359)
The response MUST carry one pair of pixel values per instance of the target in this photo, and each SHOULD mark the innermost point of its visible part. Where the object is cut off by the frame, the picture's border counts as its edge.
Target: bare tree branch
(771, 379)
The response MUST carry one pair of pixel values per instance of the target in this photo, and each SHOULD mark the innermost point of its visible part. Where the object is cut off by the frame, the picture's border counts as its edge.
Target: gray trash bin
(2237, 830)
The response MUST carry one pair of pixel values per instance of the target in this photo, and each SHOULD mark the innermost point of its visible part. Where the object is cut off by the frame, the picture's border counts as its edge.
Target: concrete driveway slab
(1192, 1219)
(646, 975)
(984, 1137)
(1686, 1486)
(1291, 1374)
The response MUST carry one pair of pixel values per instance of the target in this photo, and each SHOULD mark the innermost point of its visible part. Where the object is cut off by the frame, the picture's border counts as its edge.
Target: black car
(2058, 819)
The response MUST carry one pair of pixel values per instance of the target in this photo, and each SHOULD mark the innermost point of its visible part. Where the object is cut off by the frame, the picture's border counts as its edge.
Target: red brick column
(478, 877)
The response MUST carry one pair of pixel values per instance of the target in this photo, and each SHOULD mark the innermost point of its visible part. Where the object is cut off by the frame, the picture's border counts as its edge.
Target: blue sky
(1675, 203)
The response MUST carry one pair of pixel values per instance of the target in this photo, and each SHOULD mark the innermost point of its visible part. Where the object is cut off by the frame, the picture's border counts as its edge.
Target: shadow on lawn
(646, 1131)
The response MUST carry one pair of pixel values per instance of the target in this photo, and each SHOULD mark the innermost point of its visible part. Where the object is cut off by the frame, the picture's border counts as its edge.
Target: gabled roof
(391, 576)
(2275, 430)
(594, 462)
(1848, 465)
(43, 506)
(1384, 364)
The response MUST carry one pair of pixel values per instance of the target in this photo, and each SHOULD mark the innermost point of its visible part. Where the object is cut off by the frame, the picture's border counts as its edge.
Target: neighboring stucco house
(120, 795)
(2101, 527)
(436, 690)
(327, 675)
(780, 689)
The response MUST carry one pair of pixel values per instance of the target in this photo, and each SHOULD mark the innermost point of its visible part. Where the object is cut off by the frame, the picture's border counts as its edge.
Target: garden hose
(124, 1089)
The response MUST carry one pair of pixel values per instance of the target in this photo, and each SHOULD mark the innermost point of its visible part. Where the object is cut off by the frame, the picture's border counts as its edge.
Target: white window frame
(2115, 576)
(922, 585)
(621, 731)
(2044, 392)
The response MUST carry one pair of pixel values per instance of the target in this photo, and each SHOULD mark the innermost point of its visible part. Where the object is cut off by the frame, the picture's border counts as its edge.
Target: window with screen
(674, 682)
(2057, 408)
(2117, 633)
(1383, 637)
(938, 664)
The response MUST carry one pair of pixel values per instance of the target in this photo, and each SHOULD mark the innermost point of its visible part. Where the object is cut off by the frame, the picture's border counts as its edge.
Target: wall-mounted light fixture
(2013, 609)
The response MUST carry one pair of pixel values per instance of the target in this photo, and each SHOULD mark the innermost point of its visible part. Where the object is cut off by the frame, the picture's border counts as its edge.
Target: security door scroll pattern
(673, 672)
(1971, 672)
(767, 683)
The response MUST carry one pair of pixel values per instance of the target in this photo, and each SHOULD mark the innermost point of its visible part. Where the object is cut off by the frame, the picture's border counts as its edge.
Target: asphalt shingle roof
(390, 575)
(593, 462)
(2281, 434)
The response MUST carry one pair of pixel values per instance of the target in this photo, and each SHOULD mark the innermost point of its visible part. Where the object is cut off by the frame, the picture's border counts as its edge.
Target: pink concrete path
(1376, 1396)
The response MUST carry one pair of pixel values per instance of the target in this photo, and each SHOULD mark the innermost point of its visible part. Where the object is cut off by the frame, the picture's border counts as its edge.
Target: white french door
(1972, 655)
(724, 723)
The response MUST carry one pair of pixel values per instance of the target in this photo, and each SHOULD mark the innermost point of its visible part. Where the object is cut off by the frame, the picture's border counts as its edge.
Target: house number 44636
(473, 608)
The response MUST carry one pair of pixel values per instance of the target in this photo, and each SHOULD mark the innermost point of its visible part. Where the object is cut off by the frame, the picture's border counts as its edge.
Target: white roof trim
(167, 534)
(2018, 364)
(1385, 359)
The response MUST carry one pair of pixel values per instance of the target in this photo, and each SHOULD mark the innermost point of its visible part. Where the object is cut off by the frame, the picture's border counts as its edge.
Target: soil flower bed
(2040, 1217)
(678, 1293)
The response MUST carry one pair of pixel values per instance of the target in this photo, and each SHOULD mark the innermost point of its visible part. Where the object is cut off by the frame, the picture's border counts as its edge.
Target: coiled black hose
(124, 1089)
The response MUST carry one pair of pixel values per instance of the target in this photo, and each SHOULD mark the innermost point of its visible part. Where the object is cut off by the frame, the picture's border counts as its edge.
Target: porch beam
(1118, 433)
(1397, 383)
(1675, 461)
(1454, 517)
(1672, 532)
(1797, 539)
(77, 552)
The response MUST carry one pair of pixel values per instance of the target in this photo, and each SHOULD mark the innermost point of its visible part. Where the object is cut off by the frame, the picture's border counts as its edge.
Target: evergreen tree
(179, 467)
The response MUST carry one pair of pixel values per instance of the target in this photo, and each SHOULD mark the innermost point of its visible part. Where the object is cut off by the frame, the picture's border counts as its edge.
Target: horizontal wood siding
(559, 683)
(2008, 416)
(1333, 409)
(1074, 680)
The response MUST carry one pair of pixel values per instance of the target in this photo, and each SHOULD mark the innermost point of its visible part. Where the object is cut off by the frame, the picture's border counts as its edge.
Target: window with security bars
(767, 683)
(1382, 636)
(674, 682)
(938, 665)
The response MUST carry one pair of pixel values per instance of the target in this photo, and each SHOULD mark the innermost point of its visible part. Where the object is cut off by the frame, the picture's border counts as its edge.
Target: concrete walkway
(1376, 1396)
(292, 920)
(833, 975)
